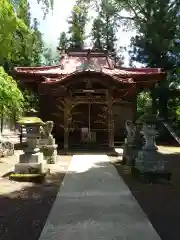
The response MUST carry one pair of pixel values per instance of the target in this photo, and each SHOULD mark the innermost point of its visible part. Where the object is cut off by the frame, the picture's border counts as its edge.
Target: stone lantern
(31, 161)
(150, 163)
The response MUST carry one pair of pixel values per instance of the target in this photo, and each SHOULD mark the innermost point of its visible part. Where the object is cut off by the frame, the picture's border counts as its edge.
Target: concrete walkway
(94, 203)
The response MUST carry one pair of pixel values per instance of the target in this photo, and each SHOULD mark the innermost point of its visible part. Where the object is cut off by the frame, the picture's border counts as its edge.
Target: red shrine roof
(88, 61)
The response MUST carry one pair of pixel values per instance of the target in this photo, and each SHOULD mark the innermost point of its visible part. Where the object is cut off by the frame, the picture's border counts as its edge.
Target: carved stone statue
(46, 130)
(128, 151)
(47, 142)
(6, 147)
(138, 135)
(130, 131)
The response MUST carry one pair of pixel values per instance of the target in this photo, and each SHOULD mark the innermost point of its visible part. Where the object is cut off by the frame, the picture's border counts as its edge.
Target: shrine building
(87, 96)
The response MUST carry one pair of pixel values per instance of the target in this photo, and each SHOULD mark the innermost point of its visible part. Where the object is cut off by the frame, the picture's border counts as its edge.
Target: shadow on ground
(23, 213)
(106, 151)
(159, 201)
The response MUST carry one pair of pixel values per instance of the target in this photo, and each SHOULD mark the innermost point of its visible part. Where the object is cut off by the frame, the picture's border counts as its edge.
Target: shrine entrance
(92, 107)
(89, 126)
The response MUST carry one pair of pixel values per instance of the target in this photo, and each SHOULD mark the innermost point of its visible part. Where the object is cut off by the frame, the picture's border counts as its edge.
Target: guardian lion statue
(45, 131)
(130, 128)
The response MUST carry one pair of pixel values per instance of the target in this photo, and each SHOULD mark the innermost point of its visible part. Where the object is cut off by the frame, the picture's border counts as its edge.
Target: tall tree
(11, 98)
(21, 44)
(37, 44)
(9, 25)
(23, 12)
(22, 40)
(46, 5)
(157, 23)
(108, 16)
(77, 23)
(104, 29)
(63, 41)
(49, 57)
(97, 33)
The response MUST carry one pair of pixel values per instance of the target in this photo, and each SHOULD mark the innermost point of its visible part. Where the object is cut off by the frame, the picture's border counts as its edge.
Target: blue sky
(56, 22)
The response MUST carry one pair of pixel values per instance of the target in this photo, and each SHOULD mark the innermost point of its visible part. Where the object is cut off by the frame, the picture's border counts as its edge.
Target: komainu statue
(46, 131)
(6, 147)
(130, 128)
(47, 142)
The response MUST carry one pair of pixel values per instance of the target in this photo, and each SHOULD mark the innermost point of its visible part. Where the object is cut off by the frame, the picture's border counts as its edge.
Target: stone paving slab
(95, 203)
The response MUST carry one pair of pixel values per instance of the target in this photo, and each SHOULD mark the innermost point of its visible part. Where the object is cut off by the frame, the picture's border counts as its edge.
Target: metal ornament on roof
(88, 67)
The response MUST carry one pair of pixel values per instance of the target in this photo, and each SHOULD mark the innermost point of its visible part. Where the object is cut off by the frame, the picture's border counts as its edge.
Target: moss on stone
(30, 120)
(23, 177)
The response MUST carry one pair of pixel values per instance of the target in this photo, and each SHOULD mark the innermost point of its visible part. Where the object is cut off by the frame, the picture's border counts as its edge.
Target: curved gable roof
(87, 60)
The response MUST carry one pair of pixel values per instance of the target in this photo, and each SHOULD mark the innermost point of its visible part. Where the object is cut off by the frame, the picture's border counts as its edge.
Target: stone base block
(50, 153)
(31, 158)
(129, 155)
(28, 168)
(150, 161)
(128, 160)
(50, 159)
(152, 177)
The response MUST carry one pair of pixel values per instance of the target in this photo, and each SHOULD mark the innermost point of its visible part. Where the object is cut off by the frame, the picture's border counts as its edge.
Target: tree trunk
(163, 100)
(154, 101)
(2, 119)
(107, 33)
(163, 103)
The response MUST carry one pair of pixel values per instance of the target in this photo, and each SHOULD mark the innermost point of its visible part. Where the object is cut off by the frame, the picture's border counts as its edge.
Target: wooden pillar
(154, 106)
(66, 130)
(67, 111)
(111, 122)
(134, 106)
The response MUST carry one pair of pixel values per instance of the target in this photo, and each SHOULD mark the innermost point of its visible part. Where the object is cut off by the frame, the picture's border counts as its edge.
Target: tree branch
(127, 18)
(141, 9)
(132, 9)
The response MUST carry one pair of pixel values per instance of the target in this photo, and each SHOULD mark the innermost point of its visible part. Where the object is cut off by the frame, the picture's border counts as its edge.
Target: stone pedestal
(128, 153)
(49, 150)
(149, 163)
